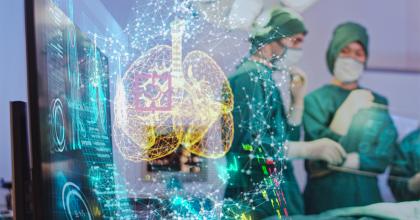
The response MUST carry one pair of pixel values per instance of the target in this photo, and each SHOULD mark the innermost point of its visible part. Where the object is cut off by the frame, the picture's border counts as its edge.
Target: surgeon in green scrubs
(261, 181)
(407, 164)
(355, 117)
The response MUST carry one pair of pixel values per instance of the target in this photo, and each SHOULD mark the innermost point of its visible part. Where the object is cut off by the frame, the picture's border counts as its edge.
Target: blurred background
(393, 69)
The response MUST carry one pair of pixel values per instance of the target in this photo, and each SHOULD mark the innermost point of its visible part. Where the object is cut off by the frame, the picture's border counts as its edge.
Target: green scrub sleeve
(315, 121)
(258, 122)
(404, 165)
(377, 153)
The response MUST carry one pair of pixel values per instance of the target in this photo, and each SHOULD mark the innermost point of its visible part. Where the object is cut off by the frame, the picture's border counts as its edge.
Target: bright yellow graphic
(163, 102)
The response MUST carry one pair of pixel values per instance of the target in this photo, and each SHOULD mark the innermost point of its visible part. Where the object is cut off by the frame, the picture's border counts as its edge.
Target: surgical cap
(282, 23)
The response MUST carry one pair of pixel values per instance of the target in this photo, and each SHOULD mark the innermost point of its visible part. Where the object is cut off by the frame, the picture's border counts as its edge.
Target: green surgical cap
(281, 23)
(343, 35)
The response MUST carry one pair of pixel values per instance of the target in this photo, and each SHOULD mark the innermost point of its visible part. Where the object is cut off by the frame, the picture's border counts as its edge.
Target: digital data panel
(82, 171)
(136, 122)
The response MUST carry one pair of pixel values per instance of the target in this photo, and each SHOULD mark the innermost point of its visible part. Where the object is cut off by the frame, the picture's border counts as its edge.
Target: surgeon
(261, 181)
(355, 117)
(407, 164)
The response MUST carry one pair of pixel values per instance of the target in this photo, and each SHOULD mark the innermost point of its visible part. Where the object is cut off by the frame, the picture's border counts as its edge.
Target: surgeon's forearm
(295, 150)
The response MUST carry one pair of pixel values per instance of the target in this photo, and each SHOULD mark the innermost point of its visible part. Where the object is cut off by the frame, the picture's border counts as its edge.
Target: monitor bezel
(33, 37)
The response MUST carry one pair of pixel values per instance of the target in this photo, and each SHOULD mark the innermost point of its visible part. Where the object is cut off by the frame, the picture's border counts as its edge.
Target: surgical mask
(278, 61)
(292, 56)
(348, 70)
(289, 58)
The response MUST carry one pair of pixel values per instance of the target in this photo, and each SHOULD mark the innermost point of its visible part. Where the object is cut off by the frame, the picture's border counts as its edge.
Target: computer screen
(117, 134)
(78, 173)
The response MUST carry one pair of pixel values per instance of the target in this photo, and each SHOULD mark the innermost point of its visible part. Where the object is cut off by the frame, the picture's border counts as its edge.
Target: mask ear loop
(284, 48)
(281, 56)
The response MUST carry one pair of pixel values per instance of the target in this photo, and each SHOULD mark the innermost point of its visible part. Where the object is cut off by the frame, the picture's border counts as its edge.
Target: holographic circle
(75, 203)
(58, 127)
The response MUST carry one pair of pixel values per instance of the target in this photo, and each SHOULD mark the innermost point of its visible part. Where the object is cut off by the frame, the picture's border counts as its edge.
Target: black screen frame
(33, 76)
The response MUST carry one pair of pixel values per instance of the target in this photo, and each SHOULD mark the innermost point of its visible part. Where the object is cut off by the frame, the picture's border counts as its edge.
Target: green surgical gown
(406, 164)
(372, 134)
(260, 179)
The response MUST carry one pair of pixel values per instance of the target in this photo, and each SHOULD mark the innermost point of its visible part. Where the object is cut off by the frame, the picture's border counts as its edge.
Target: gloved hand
(414, 184)
(357, 100)
(298, 85)
(352, 161)
(322, 149)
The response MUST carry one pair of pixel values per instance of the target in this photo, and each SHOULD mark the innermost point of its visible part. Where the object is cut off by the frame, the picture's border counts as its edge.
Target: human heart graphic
(163, 102)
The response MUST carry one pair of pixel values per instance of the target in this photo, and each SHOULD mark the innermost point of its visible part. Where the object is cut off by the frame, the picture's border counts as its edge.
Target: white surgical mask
(348, 70)
(292, 56)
